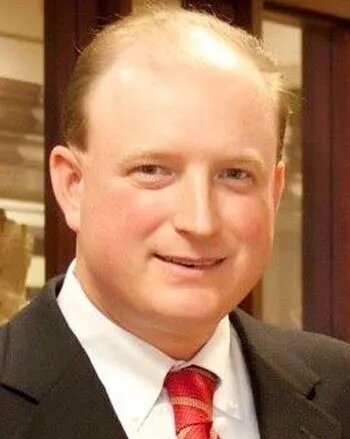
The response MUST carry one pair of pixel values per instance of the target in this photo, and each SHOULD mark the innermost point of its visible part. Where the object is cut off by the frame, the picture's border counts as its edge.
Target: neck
(176, 345)
(177, 338)
(180, 342)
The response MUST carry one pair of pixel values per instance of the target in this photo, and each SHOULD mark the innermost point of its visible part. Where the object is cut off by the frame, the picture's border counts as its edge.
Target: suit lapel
(76, 407)
(283, 387)
(55, 376)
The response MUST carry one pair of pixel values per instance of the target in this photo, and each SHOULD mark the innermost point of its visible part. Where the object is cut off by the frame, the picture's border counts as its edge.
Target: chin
(191, 313)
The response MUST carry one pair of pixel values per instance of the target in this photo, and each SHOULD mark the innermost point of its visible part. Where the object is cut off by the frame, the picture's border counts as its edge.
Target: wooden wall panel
(317, 178)
(59, 35)
(340, 118)
(326, 173)
(333, 8)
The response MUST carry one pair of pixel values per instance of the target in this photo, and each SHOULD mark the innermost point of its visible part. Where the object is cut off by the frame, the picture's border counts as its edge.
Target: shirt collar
(128, 366)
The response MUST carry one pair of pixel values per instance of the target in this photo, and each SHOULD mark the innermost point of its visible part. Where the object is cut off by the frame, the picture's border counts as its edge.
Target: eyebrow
(143, 155)
(250, 157)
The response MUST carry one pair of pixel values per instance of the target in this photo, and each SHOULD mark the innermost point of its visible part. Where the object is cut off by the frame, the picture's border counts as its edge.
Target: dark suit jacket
(49, 390)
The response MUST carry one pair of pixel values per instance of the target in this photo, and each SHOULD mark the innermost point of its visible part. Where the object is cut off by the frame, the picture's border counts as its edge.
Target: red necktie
(191, 393)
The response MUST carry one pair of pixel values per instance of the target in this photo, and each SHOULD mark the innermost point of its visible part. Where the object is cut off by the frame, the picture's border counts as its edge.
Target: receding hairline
(152, 53)
(153, 57)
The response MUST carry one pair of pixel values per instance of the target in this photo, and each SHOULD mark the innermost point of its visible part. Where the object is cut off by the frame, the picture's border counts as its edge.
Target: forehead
(160, 95)
(195, 50)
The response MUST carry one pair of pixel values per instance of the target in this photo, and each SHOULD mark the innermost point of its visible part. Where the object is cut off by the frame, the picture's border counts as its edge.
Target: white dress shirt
(132, 371)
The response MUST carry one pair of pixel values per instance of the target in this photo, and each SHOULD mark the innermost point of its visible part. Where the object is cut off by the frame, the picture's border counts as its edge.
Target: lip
(190, 265)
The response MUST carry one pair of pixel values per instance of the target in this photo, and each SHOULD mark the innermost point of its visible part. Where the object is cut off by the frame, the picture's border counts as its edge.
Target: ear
(67, 183)
(279, 183)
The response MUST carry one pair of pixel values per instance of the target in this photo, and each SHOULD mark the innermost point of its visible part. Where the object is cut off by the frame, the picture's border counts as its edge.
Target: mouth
(191, 263)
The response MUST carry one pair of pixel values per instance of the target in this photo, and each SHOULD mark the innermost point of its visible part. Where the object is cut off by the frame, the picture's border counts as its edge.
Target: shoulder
(14, 411)
(323, 354)
(33, 348)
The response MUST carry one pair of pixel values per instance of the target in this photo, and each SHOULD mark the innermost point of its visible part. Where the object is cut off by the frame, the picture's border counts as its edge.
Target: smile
(193, 263)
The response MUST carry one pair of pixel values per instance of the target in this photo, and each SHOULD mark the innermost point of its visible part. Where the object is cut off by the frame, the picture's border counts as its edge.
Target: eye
(235, 174)
(150, 170)
(151, 176)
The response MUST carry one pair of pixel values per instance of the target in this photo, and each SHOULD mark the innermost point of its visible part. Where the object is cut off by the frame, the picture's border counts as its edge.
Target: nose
(196, 211)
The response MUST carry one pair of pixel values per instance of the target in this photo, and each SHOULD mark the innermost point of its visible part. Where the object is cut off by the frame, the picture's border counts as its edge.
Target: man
(171, 181)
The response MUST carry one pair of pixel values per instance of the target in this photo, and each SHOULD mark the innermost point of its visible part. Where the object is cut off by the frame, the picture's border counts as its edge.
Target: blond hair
(160, 24)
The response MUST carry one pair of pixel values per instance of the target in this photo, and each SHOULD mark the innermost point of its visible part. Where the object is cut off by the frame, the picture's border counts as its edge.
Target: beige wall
(282, 285)
(21, 40)
(23, 17)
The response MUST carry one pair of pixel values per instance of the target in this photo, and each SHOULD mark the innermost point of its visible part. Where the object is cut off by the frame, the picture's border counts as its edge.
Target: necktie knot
(191, 392)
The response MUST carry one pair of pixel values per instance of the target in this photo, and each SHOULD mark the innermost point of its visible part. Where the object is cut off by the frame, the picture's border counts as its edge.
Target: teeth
(191, 262)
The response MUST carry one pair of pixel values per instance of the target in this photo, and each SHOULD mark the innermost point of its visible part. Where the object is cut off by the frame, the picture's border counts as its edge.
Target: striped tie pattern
(191, 391)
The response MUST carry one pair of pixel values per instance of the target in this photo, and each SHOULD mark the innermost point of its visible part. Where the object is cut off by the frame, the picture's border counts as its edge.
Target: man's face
(179, 191)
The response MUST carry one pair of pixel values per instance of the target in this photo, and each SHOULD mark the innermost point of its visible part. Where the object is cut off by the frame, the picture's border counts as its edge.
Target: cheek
(125, 212)
(251, 220)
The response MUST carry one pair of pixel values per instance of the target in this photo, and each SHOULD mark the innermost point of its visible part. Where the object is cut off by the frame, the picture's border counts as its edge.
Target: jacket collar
(43, 362)
(284, 386)
(39, 346)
